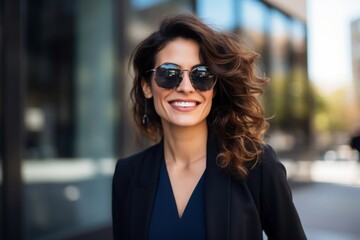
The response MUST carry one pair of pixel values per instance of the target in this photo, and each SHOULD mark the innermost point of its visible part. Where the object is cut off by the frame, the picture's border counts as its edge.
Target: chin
(188, 123)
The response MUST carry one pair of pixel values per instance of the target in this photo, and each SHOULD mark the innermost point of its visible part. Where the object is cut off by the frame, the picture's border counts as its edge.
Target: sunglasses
(169, 76)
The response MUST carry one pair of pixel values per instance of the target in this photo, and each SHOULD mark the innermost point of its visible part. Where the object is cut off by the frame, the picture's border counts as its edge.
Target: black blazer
(234, 209)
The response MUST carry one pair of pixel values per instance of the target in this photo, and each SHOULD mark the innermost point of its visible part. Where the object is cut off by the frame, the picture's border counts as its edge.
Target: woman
(210, 176)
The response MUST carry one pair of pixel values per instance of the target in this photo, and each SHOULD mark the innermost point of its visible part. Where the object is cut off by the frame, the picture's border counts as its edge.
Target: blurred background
(65, 113)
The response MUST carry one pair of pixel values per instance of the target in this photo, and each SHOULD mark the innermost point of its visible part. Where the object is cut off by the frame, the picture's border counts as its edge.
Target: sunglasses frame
(193, 82)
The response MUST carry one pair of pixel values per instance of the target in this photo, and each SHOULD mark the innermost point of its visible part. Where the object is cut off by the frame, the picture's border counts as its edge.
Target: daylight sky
(329, 40)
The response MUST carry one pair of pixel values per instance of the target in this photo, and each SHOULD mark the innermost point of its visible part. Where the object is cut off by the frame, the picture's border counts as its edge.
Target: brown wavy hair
(236, 118)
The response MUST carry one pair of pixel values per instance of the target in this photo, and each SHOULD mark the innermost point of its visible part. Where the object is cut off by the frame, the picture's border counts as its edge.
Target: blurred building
(64, 99)
(355, 50)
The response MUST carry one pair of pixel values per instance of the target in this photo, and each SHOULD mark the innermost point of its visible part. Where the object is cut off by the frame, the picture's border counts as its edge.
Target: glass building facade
(73, 108)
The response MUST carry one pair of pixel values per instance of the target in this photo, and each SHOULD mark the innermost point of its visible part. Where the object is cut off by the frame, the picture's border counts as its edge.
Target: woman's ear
(146, 88)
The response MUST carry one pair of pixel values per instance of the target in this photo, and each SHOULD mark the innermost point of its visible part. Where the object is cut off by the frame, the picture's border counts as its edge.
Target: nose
(185, 85)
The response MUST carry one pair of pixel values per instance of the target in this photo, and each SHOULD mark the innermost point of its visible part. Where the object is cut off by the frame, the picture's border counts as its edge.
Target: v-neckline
(173, 200)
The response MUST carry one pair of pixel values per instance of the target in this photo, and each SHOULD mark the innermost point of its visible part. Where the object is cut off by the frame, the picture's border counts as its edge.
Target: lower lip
(183, 109)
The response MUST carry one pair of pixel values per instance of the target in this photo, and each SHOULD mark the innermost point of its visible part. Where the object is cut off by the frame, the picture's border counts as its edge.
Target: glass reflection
(143, 4)
(69, 117)
(221, 15)
(280, 39)
(253, 19)
(253, 14)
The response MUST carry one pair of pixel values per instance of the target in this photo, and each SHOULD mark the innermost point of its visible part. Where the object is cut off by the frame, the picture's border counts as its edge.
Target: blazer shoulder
(125, 166)
(127, 163)
(123, 180)
(268, 170)
(273, 197)
(268, 162)
(268, 156)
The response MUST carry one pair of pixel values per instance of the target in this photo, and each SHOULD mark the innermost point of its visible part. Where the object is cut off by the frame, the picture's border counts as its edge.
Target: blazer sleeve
(120, 188)
(279, 217)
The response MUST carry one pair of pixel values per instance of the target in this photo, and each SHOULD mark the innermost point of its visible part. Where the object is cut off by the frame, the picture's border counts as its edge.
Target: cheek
(209, 99)
(159, 96)
(210, 96)
(157, 93)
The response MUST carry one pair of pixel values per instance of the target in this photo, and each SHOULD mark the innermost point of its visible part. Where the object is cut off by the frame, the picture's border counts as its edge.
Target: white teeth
(184, 104)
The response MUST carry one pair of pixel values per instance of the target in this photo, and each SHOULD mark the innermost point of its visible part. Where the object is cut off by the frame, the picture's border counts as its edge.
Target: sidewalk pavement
(326, 195)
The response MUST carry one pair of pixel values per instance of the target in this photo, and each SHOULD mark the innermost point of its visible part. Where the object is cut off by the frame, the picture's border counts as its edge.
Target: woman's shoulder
(127, 164)
(268, 155)
(268, 159)
(273, 197)
(134, 165)
(268, 168)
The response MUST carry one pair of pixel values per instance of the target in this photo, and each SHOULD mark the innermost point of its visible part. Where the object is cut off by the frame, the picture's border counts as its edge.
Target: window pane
(280, 43)
(69, 117)
(253, 14)
(253, 17)
(218, 15)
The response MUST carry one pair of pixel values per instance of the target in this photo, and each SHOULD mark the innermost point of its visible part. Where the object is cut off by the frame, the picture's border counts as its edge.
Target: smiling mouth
(184, 104)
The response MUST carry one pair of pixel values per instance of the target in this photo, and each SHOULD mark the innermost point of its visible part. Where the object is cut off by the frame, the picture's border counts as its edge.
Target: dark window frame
(12, 94)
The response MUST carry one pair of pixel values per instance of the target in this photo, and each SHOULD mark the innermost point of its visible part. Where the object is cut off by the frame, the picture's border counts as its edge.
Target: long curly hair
(236, 118)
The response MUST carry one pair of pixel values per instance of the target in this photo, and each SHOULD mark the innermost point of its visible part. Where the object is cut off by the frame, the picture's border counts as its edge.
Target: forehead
(183, 52)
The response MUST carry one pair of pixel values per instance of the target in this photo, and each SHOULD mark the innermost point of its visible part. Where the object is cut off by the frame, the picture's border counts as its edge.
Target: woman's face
(182, 106)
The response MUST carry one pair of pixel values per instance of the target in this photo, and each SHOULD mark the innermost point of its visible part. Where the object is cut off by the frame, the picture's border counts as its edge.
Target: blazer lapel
(217, 197)
(144, 192)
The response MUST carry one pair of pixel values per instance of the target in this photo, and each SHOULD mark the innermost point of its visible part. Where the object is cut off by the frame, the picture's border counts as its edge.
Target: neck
(185, 145)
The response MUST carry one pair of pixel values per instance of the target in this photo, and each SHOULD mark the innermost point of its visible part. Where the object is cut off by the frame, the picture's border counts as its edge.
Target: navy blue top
(165, 222)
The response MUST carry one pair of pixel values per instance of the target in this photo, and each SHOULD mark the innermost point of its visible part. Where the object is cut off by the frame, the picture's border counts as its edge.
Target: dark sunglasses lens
(168, 76)
(202, 78)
